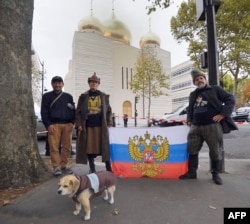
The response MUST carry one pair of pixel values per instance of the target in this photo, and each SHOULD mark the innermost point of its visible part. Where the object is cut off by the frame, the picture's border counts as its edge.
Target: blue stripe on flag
(177, 153)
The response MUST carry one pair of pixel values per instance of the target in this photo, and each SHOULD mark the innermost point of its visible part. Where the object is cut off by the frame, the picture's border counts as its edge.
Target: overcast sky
(55, 22)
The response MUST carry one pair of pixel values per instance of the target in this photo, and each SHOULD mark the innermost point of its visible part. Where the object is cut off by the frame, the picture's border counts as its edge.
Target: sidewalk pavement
(141, 201)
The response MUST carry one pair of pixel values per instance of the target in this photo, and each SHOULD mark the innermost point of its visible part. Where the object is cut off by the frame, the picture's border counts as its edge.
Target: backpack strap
(53, 102)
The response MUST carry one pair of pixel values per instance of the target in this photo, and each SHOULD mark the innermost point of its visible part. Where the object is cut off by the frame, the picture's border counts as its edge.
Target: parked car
(153, 121)
(177, 117)
(41, 131)
(182, 110)
(242, 114)
(170, 123)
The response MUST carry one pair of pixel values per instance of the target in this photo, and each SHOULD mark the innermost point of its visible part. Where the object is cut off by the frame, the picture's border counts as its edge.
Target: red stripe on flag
(152, 170)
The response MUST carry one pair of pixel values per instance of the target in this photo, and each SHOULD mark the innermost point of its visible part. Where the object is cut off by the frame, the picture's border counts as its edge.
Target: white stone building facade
(105, 49)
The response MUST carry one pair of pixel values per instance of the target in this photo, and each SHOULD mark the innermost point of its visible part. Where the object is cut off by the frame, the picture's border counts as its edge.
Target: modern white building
(181, 83)
(105, 48)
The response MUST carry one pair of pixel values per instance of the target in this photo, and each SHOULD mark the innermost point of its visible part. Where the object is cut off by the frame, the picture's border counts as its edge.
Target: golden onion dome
(150, 38)
(117, 30)
(90, 23)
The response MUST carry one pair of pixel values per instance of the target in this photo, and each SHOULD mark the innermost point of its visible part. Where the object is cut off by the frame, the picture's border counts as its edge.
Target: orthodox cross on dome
(149, 24)
(113, 9)
(91, 7)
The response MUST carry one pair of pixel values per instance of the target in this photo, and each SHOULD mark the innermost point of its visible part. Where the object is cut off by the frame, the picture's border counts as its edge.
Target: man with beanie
(208, 106)
(93, 117)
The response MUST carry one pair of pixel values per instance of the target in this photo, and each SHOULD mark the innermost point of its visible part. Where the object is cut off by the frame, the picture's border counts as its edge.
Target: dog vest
(106, 179)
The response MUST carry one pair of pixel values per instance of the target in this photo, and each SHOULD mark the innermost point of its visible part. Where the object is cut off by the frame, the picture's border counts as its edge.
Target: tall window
(131, 75)
(122, 78)
(127, 77)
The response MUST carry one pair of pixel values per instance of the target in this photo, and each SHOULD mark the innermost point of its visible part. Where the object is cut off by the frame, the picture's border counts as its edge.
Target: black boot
(108, 166)
(91, 163)
(215, 165)
(192, 167)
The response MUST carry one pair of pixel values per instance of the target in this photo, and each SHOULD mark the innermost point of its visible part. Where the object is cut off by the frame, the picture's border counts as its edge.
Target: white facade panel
(181, 83)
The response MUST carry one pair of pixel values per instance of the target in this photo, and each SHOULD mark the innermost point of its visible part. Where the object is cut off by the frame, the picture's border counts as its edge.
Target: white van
(243, 110)
(242, 114)
(178, 113)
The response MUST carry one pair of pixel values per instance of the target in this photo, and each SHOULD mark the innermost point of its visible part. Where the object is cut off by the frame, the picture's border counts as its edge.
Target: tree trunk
(20, 161)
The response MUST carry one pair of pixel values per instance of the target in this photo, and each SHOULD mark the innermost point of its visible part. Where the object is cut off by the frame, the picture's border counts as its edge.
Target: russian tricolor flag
(149, 152)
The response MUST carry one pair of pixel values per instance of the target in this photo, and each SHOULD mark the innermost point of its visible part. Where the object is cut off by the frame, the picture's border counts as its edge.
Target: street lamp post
(206, 11)
(213, 67)
(136, 101)
(42, 73)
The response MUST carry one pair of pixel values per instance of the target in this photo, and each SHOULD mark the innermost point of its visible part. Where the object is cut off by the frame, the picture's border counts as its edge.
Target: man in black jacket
(208, 106)
(58, 116)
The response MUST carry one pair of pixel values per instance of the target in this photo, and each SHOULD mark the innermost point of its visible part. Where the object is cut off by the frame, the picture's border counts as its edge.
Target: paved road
(141, 201)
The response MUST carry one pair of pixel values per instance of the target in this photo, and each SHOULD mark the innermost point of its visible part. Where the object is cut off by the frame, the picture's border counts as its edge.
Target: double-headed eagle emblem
(148, 153)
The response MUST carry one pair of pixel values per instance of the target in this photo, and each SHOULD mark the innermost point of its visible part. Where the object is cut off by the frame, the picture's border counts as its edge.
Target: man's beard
(201, 85)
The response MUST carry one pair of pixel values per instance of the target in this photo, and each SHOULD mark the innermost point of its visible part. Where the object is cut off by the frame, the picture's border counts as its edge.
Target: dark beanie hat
(195, 73)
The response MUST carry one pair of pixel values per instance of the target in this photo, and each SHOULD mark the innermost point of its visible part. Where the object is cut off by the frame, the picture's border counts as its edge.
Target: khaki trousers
(64, 135)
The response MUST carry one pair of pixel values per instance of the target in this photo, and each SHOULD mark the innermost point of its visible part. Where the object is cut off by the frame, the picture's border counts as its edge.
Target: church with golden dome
(104, 48)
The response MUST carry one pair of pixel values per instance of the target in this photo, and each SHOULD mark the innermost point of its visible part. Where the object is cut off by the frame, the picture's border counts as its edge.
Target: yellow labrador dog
(82, 188)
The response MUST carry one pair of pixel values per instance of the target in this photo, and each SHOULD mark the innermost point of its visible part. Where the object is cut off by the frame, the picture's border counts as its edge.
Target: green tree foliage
(149, 79)
(233, 25)
(228, 83)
